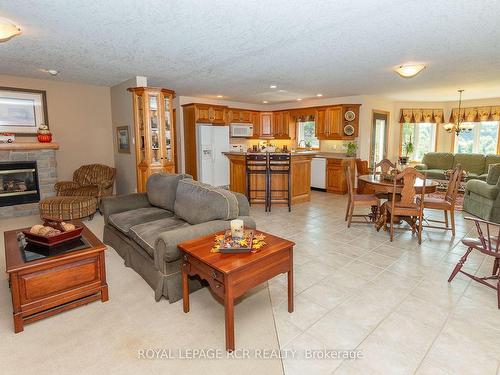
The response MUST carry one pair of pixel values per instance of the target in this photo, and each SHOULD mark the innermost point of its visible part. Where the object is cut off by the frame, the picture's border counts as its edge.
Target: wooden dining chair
(385, 166)
(355, 200)
(362, 168)
(488, 245)
(405, 205)
(446, 203)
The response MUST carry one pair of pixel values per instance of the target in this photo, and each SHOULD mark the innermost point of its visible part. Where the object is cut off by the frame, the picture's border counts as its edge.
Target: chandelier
(458, 125)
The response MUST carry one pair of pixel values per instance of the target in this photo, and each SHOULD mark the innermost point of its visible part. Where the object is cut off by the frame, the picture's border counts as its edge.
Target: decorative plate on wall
(349, 130)
(350, 115)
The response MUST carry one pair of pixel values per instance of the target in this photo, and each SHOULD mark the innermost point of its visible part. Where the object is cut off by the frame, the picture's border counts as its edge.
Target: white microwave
(241, 130)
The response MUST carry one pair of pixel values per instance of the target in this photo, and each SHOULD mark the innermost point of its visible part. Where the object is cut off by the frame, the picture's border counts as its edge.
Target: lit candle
(237, 228)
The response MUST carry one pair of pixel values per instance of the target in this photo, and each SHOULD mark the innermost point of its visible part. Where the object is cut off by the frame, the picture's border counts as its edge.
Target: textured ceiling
(238, 48)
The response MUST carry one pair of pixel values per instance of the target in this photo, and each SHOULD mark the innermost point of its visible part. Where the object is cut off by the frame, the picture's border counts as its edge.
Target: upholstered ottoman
(68, 208)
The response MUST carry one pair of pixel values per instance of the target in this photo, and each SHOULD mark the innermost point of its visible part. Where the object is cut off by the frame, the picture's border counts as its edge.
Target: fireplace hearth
(18, 183)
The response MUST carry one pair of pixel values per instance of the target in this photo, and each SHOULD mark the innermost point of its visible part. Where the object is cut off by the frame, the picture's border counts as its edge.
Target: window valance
(304, 118)
(476, 114)
(417, 115)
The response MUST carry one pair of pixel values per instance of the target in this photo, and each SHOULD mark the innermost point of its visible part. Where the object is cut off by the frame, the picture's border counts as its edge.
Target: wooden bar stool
(257, 164)
(280, 164)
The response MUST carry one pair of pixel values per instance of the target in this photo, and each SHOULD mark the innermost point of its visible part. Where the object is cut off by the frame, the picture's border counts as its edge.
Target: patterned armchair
(94, 180)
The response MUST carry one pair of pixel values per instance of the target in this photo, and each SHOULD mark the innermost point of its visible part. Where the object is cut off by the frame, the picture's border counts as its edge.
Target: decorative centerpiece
(44, 134)
(238, 240)
(52, 232)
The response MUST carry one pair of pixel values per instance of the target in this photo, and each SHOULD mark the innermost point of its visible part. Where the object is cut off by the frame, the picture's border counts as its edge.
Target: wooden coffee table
(75, 276)
(231, 275)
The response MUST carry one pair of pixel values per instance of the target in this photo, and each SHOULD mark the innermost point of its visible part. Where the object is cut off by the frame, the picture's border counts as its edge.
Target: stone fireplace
(27, 174)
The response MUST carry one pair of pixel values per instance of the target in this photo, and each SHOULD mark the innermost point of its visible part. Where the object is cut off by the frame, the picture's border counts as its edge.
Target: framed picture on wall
(22, 110)
(123, 139)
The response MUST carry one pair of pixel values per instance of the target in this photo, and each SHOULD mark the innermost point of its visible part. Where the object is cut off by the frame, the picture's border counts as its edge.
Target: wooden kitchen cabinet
(333, 123)
(266, 125)
(329, 123)
(239, 116)
(255, 119)
(320, 118)
(210, 114)
(335, 176)
(283, 128)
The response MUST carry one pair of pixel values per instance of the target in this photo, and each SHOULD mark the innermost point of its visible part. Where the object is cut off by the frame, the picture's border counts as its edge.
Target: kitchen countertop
(299, 153)
(326, 155)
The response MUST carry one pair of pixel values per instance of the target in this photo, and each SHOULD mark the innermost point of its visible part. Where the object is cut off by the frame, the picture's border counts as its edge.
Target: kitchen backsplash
(325, 146)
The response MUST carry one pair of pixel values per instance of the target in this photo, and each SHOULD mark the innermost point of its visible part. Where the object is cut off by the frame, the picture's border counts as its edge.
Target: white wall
(122, 114)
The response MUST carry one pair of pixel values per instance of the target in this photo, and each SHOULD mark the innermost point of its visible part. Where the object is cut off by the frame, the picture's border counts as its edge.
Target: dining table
(381, 184)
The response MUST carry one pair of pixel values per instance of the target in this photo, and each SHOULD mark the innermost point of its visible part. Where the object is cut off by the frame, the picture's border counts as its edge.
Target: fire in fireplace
(18, 183)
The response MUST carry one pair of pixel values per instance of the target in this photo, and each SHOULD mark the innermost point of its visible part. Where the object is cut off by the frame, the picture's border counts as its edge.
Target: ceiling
(238, 48)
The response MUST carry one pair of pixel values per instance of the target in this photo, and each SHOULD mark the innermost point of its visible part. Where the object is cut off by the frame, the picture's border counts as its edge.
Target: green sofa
(435, 164)
(145, 228)
(482, 198)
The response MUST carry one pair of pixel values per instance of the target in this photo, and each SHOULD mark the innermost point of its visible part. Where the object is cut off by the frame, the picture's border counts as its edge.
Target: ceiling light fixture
(281, 90)
(8, 30)
(265, 101)
(273, 86)
(319, 95)
(299, 99)
(53, 72)
(220, 96)
(410, 70)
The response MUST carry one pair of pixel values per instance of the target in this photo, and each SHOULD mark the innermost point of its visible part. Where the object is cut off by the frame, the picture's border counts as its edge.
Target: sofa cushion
(491, 159)
(483, 189)
(493, 174)
(438, 160)
(198, 203)
(146, 234)
(437, 174)
(482, 177)
(123, 221)
(161, 189)
(472, 163)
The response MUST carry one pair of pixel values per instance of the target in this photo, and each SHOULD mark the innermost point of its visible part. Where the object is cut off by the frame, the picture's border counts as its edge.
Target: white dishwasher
(318, 173)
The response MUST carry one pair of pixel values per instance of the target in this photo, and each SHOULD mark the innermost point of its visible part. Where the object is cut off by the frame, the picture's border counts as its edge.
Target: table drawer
(49, 282)
(203, 269)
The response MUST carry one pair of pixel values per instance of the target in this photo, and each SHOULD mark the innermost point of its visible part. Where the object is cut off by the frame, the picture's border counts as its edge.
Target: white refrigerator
(213, 166)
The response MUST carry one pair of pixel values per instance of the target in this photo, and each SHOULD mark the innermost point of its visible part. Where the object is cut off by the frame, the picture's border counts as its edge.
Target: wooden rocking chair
(488, 245)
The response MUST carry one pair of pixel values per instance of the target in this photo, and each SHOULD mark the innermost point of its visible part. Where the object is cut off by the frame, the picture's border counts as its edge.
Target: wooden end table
(231, 275)
(43, 287)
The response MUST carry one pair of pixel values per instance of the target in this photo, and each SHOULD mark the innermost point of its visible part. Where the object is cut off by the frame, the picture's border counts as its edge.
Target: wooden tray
(231, 247)
(53, 240)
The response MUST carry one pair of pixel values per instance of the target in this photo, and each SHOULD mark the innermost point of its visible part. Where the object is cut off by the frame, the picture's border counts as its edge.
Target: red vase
(44, 138)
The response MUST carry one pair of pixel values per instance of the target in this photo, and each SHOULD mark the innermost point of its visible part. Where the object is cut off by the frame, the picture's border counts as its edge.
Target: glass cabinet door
(154, 129)
(168, 130)
(140, 117)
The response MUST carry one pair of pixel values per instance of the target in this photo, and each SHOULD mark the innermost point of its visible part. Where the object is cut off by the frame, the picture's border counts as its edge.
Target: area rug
(133, 334)
(459, 202)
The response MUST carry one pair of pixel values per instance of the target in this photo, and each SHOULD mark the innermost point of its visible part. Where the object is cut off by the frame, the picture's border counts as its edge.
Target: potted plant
(408, 149)
(351, 149)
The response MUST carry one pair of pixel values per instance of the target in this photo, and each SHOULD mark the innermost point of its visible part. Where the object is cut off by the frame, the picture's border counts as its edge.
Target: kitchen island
(300, 177)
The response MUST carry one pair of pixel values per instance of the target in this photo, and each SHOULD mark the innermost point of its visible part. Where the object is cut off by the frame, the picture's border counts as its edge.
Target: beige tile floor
(357, 290)
(354, 291)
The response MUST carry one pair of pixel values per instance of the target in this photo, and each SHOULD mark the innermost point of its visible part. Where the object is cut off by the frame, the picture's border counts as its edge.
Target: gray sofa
(145, 228)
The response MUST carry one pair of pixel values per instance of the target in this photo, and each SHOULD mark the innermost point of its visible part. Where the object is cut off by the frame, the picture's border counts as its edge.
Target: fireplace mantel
(19, 146)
